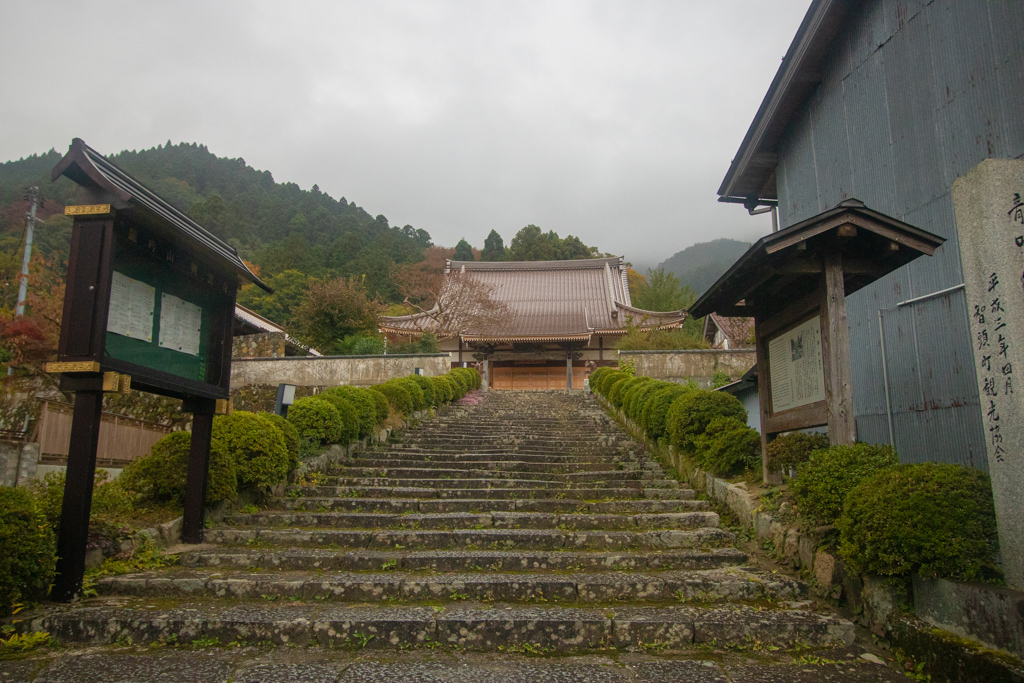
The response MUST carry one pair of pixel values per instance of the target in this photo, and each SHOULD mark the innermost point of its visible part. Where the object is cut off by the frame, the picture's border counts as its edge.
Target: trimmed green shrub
(794, 449)
(427, 387)
(728, 446)
(478, 379)
(691, 413)
(442, 389)
(380, 404)
(397, 396)
(656, 410)
(366, 408)
(292, 440)
(316, 420)
(608, 379)
(641, 395)
(459, 378)
(458, 390)
(419, 401)
(160, 475)
(347, 413)
(466, 376)
(29, 549)
(822, 483)
(930, 519)
(595, 377)
(257, 446)
(616, 389)
(629, 397)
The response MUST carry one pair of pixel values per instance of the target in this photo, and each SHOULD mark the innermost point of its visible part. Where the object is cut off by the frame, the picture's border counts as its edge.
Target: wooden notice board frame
(169, 331)
(805, 271)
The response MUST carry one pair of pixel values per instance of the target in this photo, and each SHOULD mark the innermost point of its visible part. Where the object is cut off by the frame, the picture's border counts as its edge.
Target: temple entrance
(534, 377)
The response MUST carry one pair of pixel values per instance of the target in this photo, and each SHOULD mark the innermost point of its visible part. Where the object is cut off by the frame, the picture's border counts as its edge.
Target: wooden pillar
(568, 372)
(835, 348)
(764, 397)
(198, 469)
(487, 374)
(74, 516)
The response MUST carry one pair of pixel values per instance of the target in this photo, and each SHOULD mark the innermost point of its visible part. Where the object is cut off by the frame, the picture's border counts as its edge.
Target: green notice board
(159, 317)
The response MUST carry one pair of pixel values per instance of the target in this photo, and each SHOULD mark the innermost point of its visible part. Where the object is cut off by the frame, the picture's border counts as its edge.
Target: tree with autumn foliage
(335, 309)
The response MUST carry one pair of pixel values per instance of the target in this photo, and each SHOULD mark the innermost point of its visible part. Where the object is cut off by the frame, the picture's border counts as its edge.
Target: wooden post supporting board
(835, 347)
(196, 481)
(74, 527)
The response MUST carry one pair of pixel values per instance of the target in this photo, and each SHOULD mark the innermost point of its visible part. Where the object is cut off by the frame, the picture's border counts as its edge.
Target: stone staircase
(526, 522)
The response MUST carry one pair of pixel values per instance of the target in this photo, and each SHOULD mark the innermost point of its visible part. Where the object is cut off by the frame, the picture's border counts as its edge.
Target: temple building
(532, 324)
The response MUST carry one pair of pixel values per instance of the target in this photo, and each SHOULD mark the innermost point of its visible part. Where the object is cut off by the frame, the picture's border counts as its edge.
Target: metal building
(889, 101)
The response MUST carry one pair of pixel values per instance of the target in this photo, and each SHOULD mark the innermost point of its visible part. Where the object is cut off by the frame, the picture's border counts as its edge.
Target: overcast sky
(612, 121)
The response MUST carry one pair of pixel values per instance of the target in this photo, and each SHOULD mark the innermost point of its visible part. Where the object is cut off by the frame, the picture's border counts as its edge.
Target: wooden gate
(122, 439)
(534, 377)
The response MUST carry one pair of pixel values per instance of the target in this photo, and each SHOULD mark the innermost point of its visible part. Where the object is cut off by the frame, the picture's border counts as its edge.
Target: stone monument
(989, 203)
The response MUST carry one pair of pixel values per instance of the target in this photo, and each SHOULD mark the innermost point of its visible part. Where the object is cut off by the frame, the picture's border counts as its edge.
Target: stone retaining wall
(700, 365)
(332, 371)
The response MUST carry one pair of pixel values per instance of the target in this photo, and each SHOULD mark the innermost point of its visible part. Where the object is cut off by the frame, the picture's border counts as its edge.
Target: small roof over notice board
(788, 262)
(108, 184)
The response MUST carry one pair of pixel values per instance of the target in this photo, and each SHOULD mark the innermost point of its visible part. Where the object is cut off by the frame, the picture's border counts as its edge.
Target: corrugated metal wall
(914, 94)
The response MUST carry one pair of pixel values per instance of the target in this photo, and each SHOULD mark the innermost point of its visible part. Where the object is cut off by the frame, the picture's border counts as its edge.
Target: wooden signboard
(149, 303)
(794, 284)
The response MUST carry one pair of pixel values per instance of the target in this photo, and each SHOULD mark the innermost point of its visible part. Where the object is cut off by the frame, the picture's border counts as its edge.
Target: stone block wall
(332, 371)
(264, 345)
(700, 365)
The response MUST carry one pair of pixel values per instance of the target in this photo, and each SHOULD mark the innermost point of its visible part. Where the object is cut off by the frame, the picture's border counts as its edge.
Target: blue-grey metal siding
(914, 94)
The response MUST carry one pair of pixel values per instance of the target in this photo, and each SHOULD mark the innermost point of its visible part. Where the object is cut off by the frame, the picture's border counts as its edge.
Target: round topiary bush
(29, 549)
(380, 404)
(456, 376)
(316, 420)
(616, 389)
(160, 475)
(822, 483)
(458, 388)
(609, 379)
(366, 408)
(397, 396)
(932, 519)
(292, 440)
(790, 450)
(630, 395)
(261, 457)
(656, 409)
(347, 413)
(419, 401)
(470, 377)
(690, 415)
(427, 387)
(638, 402)
(728, 446)
(442, 389)
(594, 378)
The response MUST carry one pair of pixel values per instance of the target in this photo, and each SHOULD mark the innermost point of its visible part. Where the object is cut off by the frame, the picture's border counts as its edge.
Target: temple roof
(549, 301)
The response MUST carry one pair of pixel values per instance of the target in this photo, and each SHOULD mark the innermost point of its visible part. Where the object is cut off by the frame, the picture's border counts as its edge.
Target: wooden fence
(122, 439)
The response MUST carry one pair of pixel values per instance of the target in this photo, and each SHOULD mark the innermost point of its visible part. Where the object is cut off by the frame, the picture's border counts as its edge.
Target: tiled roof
(250, 322)
(550, 300)
(739, 331)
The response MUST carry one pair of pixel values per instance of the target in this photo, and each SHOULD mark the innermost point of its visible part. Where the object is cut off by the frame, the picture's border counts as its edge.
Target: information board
(796, 366)
(180, 325)
(131, 307)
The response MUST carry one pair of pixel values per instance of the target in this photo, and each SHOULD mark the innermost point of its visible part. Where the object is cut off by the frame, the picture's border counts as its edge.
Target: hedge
(316, 420)
(634, 394)
(256, 445)
(823, 482)
(656, 409)
(443, 391)
(365, 407)
(728, 446)
(931, 519)
(690, 414)
(29, 550)
(427, 387)
(617, 388)
(346, 412)
(161, 474)
(398, 397)
(292, 440)
(380, 404)
(791, 450)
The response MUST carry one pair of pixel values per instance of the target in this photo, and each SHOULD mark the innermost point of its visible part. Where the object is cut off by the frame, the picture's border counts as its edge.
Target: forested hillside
(700, 265)
(295, 239)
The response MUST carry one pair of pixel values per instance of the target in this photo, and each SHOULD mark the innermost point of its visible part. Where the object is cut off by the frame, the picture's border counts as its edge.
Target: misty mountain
(701, 264)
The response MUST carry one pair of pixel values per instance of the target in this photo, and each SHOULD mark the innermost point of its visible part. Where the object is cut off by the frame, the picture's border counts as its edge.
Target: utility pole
(33, 194)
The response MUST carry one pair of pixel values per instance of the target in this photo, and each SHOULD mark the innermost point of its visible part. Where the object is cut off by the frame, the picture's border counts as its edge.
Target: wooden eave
(789, 262)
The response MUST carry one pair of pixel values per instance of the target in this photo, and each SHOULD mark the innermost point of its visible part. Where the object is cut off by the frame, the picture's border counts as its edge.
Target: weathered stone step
(461, 560)
(470, 463)
(674, 586)
(449, 473)
(494, 539)
(478, 520)
(578, 493)
(407, 505)
(484, 628)
(618, 482)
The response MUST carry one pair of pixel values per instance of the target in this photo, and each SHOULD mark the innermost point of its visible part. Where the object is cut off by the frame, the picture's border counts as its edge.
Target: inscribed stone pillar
(989, 203)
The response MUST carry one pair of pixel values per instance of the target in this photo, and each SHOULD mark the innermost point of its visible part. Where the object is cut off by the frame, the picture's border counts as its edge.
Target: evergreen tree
(494, 248)
(463, 252)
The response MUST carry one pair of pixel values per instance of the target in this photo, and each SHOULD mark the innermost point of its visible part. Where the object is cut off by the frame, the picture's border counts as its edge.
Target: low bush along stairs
(527, 523)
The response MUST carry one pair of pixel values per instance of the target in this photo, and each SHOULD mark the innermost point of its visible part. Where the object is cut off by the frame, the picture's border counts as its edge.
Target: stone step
(407, 505)
(704, 586)
(469, 463)
(480, 628)
(473, 539)
(310, 559)
(356, 470)
(578, 493)
(478, 520)
(617, 482)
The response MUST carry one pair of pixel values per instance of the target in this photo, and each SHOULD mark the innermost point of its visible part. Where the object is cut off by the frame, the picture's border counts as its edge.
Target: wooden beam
(764, 396)
(197, 475)
(835, 348)
(813, 415)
